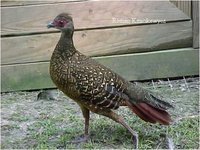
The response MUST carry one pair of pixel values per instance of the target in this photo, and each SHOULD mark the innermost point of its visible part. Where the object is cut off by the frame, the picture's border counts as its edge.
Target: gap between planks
(95, 28)
(143, 66)
(37, 48)
(94, 14)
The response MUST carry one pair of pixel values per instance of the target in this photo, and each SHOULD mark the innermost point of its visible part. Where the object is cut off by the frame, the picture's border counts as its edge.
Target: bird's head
(62, 22)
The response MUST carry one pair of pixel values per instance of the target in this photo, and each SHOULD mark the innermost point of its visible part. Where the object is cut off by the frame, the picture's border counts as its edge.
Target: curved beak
(50, 25)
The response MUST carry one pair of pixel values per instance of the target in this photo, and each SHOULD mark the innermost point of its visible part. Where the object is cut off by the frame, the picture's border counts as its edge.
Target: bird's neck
(65, 45)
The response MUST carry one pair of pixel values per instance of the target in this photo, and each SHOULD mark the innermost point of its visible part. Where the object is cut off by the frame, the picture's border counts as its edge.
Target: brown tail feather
(149, 113)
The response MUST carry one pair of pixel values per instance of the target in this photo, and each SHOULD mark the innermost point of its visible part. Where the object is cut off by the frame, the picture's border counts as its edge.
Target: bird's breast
(62, 75)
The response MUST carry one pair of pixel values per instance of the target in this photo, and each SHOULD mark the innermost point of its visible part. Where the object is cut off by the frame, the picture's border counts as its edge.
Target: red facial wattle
(60, 23)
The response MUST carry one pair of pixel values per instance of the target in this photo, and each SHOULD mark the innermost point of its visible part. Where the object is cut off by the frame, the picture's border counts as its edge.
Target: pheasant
(97, 88)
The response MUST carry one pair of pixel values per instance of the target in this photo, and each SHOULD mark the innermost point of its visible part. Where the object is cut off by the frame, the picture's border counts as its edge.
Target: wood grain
(195, 21)
(161, 64)
(87, 14)
(100, 42)
(185, 6)
(6, 3)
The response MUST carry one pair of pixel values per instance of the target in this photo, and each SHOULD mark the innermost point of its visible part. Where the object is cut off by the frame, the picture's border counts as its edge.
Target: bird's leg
(86, 115)
(119, 119)
(85, 137)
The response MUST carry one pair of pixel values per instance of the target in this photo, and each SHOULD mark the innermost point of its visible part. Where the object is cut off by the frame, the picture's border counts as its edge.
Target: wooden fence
(139, 40)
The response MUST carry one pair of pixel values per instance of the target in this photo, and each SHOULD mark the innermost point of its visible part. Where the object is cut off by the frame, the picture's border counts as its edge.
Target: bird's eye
(61, 23)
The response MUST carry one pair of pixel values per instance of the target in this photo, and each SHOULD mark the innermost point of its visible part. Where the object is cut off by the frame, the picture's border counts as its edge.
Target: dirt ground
(25, 119)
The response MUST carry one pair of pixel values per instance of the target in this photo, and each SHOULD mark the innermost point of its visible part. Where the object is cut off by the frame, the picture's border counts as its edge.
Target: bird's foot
(80, 139)
(135, 141)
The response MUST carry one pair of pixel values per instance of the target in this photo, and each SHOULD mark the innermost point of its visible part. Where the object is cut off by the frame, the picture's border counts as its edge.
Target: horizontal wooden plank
(6, 3)
(100, 42)
(87, 14)
(141, 66)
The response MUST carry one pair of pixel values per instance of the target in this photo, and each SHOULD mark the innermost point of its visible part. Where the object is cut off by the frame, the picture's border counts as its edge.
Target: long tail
(148, 107)
(149, 113)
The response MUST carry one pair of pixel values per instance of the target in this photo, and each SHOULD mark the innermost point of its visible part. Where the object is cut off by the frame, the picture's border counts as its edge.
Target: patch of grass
(42, 124)
(9, 127)
(186, 133)
(19, 117)
(106, 134)
(42, 131)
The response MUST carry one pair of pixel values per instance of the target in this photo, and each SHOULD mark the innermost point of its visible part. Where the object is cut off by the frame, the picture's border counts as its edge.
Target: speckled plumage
(97, 88)
(84, 79)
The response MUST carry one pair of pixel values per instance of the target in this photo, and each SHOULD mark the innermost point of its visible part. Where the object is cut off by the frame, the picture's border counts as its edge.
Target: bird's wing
(99, 85)
(138, 94)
